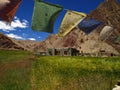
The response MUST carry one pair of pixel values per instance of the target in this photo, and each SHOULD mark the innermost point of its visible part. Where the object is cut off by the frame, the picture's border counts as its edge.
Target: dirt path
(26, 63)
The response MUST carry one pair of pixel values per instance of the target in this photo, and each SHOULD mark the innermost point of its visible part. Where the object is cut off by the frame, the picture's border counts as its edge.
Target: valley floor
(24, 71)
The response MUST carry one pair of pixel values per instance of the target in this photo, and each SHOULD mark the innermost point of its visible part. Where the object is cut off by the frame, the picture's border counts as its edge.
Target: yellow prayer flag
(70, 20)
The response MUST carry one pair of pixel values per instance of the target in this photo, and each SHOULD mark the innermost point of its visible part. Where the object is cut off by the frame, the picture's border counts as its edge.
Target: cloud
(32, 39)
(24, 34)
(39, 37)
(15, 36)
(16, 23)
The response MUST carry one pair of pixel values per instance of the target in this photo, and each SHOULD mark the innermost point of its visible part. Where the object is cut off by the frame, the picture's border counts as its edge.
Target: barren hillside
(9, 44)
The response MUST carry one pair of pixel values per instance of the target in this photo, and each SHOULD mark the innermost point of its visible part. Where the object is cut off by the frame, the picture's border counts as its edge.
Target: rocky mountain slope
(29, 45)
(9, 44)
(109, 13)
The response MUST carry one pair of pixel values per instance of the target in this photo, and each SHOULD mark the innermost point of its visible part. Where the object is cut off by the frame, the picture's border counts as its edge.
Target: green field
(24, 71)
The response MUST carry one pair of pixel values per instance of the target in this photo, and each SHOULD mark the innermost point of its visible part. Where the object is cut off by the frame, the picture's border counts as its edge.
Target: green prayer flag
(44, 16)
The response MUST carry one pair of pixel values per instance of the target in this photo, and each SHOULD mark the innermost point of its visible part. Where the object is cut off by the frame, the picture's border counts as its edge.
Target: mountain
(109, 13)
(77, 39)
(29, 45)
(9, 44)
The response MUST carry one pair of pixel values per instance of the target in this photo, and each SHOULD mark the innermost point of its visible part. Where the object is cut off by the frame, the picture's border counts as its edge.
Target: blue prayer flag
(89, 25)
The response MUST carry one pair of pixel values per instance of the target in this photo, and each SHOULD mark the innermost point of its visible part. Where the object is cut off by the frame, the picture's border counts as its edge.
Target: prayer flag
(88, 25)
(44, 16)
(106, 32)
(70, 20)
(8, 9)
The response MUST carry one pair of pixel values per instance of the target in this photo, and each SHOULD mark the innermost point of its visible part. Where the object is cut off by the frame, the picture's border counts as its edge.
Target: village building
(62, 52)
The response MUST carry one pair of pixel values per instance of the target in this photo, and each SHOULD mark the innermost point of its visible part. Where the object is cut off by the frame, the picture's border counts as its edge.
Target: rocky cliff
(109, 13)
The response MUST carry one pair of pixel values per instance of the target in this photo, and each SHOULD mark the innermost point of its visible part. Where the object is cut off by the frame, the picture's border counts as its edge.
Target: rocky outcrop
(108, 12)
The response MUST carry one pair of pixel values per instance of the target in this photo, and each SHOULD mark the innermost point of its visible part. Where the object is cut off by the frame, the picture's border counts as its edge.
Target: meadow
(20, 70)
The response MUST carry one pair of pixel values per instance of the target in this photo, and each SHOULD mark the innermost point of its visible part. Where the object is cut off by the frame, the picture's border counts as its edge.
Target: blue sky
(21, 28)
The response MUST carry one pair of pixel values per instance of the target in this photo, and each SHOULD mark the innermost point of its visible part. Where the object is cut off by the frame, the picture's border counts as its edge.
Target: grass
(75, 73)
(15, 68)
(22, 71)
(9, 55)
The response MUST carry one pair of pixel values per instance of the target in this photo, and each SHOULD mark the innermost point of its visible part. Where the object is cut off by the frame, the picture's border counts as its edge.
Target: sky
(20, 27)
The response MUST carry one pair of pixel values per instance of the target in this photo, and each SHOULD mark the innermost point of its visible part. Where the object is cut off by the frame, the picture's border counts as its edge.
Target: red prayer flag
(8, 11)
